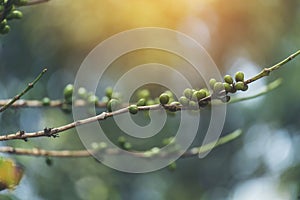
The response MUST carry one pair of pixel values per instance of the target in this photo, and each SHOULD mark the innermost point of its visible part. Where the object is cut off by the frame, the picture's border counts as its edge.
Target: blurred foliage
(59, 34)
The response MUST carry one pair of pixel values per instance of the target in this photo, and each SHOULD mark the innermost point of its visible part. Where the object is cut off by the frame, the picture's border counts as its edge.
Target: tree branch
(110, 151)
(267, 71)
(54, 103)
(53, 132)
(18, 96)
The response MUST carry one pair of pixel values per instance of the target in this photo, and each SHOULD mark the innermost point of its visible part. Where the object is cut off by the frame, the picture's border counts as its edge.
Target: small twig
(53, 104)
(207, 147)
(82, 103)
(30, 86)
(267, 71)
(55, 131)
(42, 152)
(110, 151)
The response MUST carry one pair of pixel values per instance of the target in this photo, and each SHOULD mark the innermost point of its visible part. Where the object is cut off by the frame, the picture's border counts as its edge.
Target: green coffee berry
(141, 102)
(239, 76)
(171, 95)
(233, 90)
(46, 101)
(113, 104)
(188, 93)
(92, 99)
(150, 102)
(5, 29)
(155, 150)
(164, 98)
(109, 92)
(121, 140)
(239, 85)
(184, 101)
(127, 146)
(105, 99)
(245, 87)
(171, 100)
(172, 166)
(3, 23)
(212, 82)
(228, 79)
(15, 14)
(218, 87)
(82, 93)
(206, 91)
(193, 105)
(133, 109)
(68, 92)
(116, 95)
(144, 93)
(228, 87)
(200, 94)
(156, 100)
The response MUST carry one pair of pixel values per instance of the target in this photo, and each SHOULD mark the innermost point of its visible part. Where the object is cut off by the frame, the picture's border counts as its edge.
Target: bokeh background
(239, 35)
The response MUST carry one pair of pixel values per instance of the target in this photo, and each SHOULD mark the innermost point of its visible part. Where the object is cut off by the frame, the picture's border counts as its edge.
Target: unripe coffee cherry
(82, 93)
(193, 105)
(197, 95)
(212, 83)
(92, 99)
(150, 102)
(68, 92)
(3, 23)
(218, 87)
(184, 101)
(46, 101)
(133, 109)
(164, 98)
(108, 92)
(141, 102)
(239, 76)
(188, 93)
(113, 104)
(204, 92)
(5, 29)
(239, 85)
(245, 87)
(228, 87)
(228, 79)
(16, 14)
(144, 93)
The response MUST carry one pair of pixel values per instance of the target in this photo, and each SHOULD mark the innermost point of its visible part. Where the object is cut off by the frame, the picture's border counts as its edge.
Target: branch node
(47, 131)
